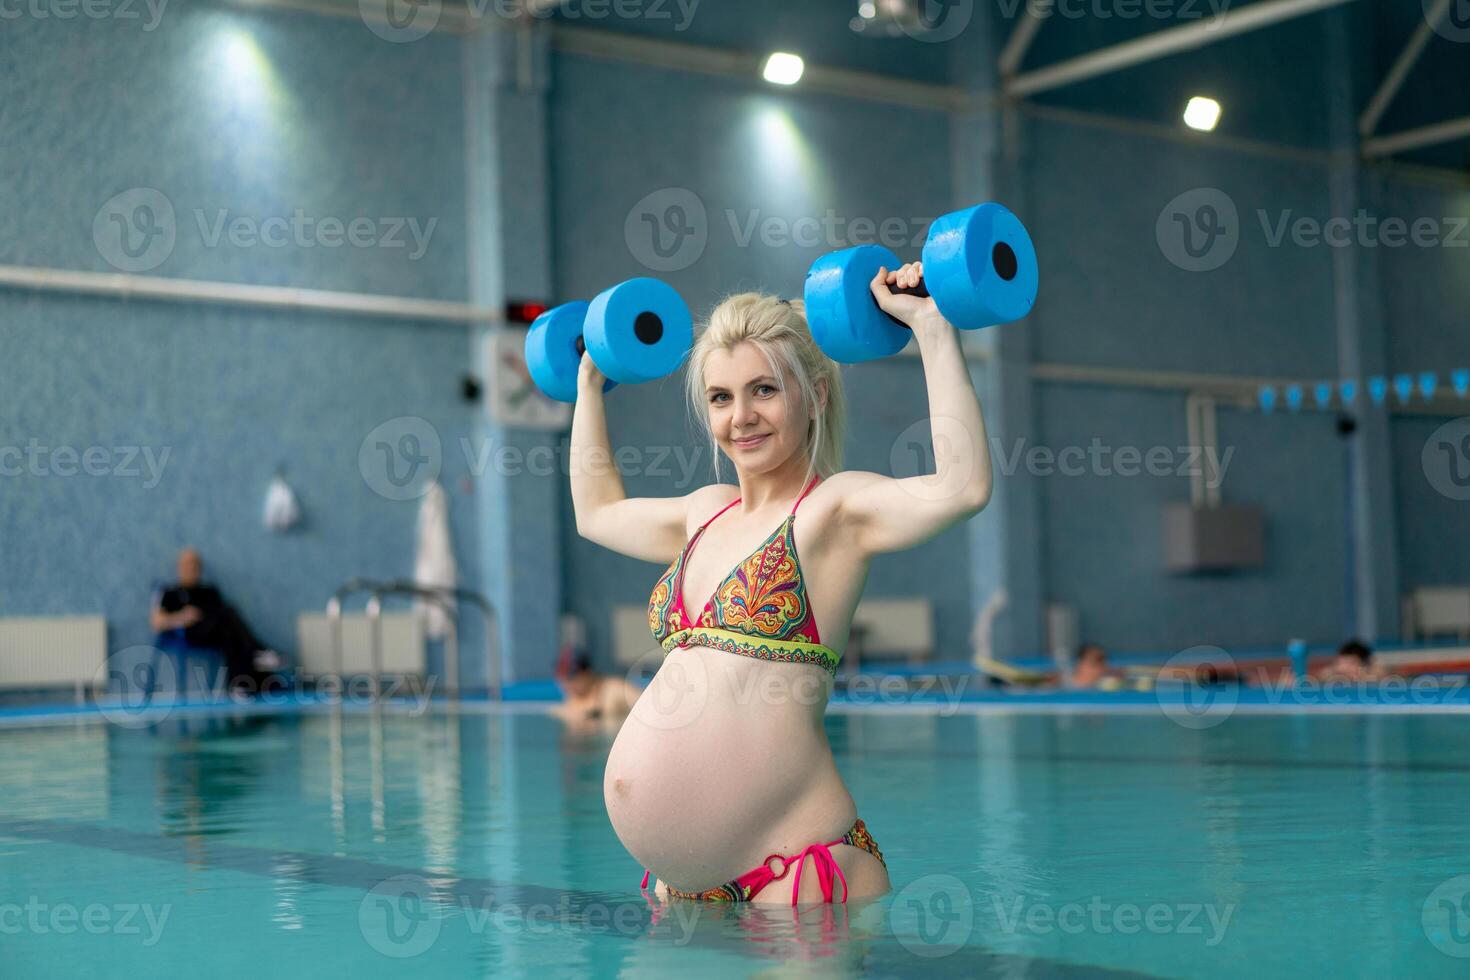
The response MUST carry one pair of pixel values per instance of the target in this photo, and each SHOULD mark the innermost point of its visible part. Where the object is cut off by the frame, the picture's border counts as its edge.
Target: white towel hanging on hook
(282, 512)
(434, 562)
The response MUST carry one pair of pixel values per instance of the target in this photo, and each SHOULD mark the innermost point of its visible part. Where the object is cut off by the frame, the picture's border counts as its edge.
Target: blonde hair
(778, 329)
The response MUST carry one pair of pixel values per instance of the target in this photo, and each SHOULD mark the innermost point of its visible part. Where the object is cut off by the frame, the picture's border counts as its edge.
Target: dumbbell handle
(921, 291)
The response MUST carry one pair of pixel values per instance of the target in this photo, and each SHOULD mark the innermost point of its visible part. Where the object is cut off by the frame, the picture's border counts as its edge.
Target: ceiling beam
(1407, 58)
(1415, 139)
(125, 286)
(1020, 40)
(1160, 44)
(653, 52)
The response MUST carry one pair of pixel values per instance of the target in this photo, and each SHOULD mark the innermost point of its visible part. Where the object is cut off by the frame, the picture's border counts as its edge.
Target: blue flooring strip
(941, 692)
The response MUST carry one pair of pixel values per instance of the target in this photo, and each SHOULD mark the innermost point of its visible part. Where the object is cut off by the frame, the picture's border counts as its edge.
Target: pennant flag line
(1426, 383)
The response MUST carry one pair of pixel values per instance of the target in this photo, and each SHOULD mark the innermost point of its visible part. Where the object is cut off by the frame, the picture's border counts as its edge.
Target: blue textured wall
(1103, 535)
(1432, 527)
(254, 114)
(1426, 295)
(1426, 291)
(245, 392)
(1112, 298)
(259, 115)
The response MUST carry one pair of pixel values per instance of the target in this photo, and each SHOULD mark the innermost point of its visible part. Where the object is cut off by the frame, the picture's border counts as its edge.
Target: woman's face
(757, 424)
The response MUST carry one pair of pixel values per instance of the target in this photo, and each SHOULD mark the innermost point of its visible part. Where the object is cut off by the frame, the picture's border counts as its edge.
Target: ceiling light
(784, 69)
(1202, 113)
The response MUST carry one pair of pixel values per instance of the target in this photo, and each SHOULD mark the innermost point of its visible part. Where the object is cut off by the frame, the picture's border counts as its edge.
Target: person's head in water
(190, 567)
(580, 679)
(762, 389)
(1089, 664)
(1353, 657)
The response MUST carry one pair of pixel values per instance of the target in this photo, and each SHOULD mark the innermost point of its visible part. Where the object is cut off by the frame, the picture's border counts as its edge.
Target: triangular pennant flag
(1378, 388)
(1349, 389)
(1403, 386)
(1323, 393)
(1461, 380)
(1268, 399)
(1428, 384)
(1294, 397)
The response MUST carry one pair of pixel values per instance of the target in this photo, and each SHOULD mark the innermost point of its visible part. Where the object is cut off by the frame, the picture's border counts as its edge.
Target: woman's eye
(717, 398)
(766, 388)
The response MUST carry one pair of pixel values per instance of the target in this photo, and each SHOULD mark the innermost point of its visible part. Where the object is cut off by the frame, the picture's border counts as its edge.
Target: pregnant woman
(721, 782)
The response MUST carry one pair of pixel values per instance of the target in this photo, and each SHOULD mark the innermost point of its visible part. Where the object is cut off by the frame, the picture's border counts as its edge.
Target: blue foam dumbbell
(636, 331)
(979, 265)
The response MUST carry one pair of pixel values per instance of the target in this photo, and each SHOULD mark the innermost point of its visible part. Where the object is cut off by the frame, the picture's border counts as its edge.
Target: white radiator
(632, 641)
(53, 651)
(895, 627)
(403, 645)
(1440, 610)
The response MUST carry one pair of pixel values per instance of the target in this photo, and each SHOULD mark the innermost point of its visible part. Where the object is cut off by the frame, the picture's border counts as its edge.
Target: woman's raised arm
(887, 514)
(647, 528)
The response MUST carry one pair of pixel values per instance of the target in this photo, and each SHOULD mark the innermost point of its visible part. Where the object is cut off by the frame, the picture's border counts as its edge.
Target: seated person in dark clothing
(210, 623)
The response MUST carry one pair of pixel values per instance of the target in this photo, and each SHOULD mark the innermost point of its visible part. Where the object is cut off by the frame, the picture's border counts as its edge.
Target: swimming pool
(474, 843)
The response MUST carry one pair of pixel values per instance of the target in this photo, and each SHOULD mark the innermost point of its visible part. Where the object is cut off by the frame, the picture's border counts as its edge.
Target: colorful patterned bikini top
(760, 610)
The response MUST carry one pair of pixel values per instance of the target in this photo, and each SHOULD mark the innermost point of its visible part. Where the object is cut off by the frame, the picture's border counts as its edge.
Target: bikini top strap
(803, 495)
(722, 510)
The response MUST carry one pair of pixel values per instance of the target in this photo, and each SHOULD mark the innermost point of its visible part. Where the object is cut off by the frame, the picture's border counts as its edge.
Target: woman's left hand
(915, 312)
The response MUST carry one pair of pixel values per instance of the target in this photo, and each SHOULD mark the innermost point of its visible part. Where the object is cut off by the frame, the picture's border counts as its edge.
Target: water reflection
(207, 768)
(289, 824)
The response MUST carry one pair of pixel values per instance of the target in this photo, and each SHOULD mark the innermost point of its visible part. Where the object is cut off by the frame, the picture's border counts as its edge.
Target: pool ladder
(442, 596)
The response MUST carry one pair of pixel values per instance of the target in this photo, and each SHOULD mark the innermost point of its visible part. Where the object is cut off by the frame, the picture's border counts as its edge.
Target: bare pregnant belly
(722, 762)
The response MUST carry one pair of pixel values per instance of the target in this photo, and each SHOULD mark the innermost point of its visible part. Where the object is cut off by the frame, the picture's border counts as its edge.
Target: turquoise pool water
(459, 845)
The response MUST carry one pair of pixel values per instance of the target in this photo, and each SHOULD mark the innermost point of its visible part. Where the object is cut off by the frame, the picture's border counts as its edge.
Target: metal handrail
(442, 595)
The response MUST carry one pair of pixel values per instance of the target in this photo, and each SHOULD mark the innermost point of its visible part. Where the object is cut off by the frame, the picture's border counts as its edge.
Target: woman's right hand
(588, 377)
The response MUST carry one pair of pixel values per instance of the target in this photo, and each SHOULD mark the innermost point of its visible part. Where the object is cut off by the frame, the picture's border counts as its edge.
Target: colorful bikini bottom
(750, 884)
